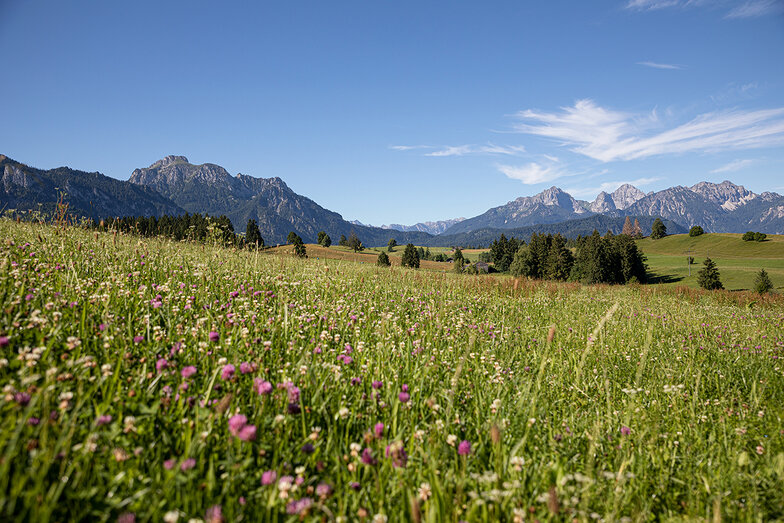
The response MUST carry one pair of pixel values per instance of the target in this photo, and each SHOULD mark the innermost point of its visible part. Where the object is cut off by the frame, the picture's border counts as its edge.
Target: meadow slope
(152, 379)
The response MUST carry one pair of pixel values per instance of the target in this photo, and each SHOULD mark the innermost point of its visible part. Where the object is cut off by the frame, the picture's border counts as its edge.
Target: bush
(762, 283)
(750, 236)
(383, 260)
(696, 231)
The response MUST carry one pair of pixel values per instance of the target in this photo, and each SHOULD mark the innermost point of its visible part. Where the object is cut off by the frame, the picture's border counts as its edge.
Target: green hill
(738, 261)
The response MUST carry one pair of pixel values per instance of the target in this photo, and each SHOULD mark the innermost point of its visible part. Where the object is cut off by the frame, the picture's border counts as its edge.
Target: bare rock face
(626, 195)
(603, 204)
(726, 194)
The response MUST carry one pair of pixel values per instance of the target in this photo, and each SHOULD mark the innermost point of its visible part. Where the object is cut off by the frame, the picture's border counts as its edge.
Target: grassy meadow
(151, 380)
(737, 261)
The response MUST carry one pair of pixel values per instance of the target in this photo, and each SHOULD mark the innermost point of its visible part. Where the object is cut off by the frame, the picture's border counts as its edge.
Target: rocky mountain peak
(603, 203)
(726, 194)
(163, 162)
(625, 195)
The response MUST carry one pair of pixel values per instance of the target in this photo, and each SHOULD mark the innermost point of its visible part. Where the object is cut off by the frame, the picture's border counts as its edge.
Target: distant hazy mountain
(88, 194)
(428, 227)
(276, 208)
(722, 207)
(550, 206)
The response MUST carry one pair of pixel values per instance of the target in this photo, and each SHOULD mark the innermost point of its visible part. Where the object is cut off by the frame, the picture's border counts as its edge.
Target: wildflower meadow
(155, 380)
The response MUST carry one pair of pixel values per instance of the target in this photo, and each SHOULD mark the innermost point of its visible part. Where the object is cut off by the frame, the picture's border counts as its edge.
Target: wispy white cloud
(463, 150)
(532, 173)
(607, 135)
(657, 65)
(409, 147)
(650, 5)
(608, 187)
(735, 165)
(756, 8)
(748, 9)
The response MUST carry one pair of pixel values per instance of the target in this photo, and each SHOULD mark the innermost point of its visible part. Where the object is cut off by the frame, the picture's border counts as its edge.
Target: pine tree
(659, 230)
(762, 283)
(628, 228)
(559, 261)
(253, 237)
(637, 229)
(343, 241)
(326, 241)
(354, 242)
(299, 250)
(410, 257)
(292, 238)
(708, 277)
(320, 237)
(391, 245)
(383, 260)
(459, 261)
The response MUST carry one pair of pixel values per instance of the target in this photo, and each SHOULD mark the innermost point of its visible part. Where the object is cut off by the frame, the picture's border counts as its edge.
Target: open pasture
(738, 261)
(168, 381)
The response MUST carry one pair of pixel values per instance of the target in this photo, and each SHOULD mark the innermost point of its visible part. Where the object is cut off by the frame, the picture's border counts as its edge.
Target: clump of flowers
(239, 427)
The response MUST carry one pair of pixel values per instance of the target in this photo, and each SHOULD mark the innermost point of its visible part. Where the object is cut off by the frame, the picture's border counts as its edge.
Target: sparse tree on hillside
(750, 236)
(708, 277)
(659, 230)
(383, 260)
(343, 242)
(628, 228)
(299, 250)
(762, 283)
(696, 231)
(292, 238)
(326, 241)
(253, 237)
(320, 237)
(391, 245)
(410, 257)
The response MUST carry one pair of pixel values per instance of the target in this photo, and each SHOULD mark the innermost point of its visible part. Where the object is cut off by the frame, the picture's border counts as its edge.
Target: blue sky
(403, 111)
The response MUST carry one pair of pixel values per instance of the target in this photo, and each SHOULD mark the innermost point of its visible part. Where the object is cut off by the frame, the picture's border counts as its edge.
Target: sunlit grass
(573, 402)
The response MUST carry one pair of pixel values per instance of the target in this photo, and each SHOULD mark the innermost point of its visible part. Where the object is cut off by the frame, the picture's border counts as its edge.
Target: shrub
(750, 236)
(696, 231)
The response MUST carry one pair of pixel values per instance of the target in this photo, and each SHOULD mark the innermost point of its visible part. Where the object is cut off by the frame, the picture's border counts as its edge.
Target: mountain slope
(550, 206)
(90, 195)
(276, 208)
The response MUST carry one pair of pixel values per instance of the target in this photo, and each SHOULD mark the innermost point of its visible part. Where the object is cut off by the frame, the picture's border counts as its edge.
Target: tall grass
(370, 393)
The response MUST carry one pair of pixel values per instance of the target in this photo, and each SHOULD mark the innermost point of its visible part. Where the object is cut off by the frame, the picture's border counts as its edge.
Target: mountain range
(173, 185)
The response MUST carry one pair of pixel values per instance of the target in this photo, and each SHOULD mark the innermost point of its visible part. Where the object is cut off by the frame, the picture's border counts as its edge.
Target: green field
(738, 261)
(154, 380)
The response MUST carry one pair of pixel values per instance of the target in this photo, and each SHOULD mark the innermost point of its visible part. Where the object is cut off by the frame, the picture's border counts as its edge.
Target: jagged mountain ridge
(276, 208)
(434, 228)
(87, 194)
(717, 207)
